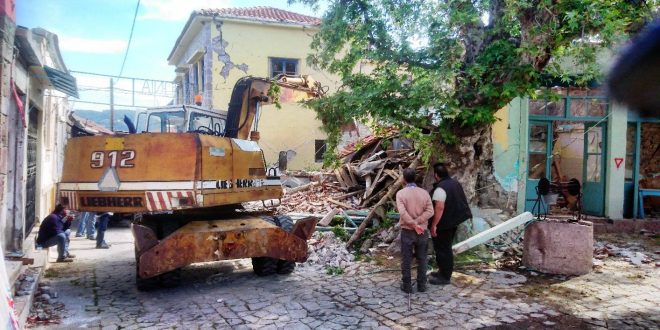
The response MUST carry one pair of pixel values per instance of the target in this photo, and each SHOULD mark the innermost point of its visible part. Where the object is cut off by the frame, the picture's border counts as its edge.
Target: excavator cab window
(166, 122)
(205, 124)
(141, 122)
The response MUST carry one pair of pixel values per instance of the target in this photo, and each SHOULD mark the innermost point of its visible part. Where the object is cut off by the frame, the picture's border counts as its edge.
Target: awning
(62, 81)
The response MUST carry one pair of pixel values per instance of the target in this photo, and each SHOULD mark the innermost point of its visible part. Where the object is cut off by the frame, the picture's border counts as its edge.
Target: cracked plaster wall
(241, 49)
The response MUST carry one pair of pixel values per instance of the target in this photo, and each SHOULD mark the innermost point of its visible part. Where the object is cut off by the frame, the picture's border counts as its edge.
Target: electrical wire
(130, 37)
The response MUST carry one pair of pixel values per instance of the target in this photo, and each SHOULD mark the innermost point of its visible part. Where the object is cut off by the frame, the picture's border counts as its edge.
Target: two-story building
(219, 46)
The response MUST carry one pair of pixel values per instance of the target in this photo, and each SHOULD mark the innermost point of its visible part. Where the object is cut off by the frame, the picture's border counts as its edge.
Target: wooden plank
(349, 168)
(347, 177)
(375, 182)
(344, 196)
(344, 205)
(367, 184)
(340, 179)
(301, 188)
(367, 221)
(328, 217)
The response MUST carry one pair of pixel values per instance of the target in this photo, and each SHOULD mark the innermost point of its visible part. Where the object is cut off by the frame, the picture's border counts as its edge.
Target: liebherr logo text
(240, 183)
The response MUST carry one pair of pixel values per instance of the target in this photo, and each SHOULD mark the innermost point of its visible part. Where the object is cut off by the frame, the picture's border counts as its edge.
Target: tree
(439, 70)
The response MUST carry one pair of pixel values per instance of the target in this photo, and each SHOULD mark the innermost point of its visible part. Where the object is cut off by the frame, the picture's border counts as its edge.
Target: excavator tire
(265, 266)
(285, 267)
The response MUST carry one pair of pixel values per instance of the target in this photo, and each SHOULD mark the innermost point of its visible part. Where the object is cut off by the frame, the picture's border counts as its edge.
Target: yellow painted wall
(292, 127)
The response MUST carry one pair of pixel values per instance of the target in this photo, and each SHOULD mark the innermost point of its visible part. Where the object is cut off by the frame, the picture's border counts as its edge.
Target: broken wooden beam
(328, 217)
(344, 205)
(390, 192)
(302, 188)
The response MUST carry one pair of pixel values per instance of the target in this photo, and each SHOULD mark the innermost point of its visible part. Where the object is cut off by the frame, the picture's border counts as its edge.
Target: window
(195, 71)
(283, 66)
(166, 122)
(319, 150)
(206, 124)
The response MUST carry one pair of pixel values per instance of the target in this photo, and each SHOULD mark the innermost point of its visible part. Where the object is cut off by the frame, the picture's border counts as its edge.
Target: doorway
(567, 141)
(31, 180)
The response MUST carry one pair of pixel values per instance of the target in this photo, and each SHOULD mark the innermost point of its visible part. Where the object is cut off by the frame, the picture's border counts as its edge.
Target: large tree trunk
(471, 162)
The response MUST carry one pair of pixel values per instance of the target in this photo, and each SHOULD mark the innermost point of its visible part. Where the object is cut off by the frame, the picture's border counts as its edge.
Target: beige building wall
(292, 127)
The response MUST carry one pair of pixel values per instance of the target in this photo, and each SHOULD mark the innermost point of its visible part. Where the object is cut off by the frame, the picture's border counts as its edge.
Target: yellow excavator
(182, 173)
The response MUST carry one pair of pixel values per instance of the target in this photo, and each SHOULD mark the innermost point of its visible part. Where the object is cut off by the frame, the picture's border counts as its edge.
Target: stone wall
(7, 31)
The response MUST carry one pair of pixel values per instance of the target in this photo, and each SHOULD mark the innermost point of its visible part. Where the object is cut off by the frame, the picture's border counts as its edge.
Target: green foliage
(274, 94)
(341, 233)
(430, 68)
(333, 270)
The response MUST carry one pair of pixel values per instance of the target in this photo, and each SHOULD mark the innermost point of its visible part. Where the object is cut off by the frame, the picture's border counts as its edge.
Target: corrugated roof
(62, 81)
(263, 14)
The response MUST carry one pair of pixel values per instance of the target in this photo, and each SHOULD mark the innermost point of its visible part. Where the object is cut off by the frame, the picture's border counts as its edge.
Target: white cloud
(95, 46)
(176, 10)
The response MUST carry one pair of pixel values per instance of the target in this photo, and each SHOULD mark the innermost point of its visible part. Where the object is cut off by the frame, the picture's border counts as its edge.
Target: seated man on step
(54, 230)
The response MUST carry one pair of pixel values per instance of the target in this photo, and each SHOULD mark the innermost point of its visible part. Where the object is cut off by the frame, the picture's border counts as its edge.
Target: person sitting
(54, 230)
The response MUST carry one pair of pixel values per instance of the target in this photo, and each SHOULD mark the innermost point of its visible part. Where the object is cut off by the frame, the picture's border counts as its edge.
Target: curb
(23, 303)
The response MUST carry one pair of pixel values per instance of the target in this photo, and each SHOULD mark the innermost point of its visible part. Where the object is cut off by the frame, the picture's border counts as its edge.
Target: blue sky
(93, 34)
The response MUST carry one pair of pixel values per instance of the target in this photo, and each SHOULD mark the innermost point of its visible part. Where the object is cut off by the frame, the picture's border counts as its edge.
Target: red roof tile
(263, 14)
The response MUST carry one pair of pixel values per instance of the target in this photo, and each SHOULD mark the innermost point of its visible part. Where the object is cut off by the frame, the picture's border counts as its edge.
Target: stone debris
(631, 253)
(45, 308)
(325, 250)
(26, 282)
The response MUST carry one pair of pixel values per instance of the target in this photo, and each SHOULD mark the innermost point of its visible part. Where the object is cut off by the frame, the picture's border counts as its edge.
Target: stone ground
(98, 291)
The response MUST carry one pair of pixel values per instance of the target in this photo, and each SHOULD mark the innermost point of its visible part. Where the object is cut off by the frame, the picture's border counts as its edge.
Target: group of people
(55, 230)
(437, 213)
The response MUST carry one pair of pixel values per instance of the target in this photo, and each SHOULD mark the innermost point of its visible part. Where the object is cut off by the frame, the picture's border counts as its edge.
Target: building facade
(36, 104)
(218, 47)
(579, 134)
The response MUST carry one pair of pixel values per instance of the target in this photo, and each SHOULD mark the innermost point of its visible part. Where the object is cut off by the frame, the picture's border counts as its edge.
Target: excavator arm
(250, 93)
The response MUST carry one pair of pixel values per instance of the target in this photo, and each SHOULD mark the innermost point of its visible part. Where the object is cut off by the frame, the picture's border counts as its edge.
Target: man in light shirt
(415, 208)
(451, 208)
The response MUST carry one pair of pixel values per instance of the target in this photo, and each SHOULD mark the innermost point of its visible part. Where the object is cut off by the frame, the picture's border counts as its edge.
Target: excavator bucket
(204, 241)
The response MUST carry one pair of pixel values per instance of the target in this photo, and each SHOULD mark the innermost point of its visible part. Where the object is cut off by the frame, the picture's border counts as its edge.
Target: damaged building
(219, 46)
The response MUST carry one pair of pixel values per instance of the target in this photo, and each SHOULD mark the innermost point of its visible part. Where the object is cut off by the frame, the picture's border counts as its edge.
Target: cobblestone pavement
(98, 291)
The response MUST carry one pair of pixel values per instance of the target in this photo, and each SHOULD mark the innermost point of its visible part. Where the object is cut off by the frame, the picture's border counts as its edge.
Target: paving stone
(309, 299)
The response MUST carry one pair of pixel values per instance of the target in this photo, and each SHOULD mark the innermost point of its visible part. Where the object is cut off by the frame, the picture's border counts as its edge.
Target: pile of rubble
(327, 251)
(369, 168)
(45, 309)
(631, 253)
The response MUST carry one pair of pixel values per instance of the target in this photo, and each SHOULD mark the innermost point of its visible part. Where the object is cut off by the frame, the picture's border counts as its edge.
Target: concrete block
(557, 247)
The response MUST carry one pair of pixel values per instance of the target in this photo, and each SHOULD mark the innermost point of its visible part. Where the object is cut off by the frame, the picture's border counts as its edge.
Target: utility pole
(112, 106)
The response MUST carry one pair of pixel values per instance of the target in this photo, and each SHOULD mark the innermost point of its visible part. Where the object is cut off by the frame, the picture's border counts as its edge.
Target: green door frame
(566, 115)
(594, 205)
(530, 184)
(637, 121)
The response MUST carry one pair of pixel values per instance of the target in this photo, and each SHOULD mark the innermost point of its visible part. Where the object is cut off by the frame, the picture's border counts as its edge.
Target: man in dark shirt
(54, 230)
(450, 208)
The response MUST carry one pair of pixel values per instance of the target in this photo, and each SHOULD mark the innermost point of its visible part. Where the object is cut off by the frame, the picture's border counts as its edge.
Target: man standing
(104, 218)
(451, 209)
(86, 225)
(54, 230)
(415, 208)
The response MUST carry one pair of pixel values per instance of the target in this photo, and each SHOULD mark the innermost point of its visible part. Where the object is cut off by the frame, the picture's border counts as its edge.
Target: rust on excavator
(203, 241)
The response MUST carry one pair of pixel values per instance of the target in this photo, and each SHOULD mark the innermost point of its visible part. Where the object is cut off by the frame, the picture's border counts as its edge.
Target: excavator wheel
(285, 267)
(264, 266)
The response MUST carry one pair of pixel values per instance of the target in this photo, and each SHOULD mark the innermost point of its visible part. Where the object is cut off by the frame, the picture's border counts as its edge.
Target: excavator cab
(181, 119)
